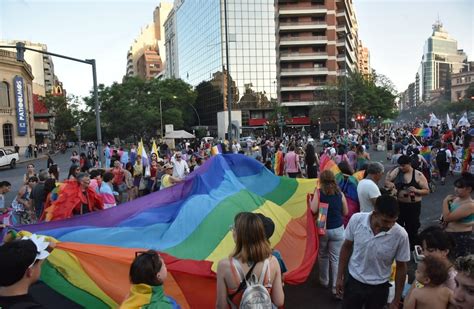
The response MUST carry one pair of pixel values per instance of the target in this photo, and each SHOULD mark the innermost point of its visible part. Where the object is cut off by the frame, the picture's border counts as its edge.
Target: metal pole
(161, 121)
(97, 112)
(345, 82)
(229, 88)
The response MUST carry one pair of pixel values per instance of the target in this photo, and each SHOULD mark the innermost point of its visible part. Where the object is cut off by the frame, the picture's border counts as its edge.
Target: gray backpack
(255, 295)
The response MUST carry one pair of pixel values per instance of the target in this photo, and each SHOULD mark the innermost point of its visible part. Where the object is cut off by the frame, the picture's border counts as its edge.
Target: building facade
(146, 54)
(317, 42)
(171, 47)
(16, 102)
(441, 58)
(45, 82)
(461, 81)
(199, 36)
(363, 59)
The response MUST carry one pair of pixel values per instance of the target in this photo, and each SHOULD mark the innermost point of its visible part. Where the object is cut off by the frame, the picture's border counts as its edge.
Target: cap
(268, 225)
(168, 166)
(42, 246)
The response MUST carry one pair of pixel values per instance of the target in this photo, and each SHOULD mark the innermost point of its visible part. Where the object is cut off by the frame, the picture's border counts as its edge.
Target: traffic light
(20, 51)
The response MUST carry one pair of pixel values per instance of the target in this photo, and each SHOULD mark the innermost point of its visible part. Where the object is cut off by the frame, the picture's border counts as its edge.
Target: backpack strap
(244, 278)
(265, 267)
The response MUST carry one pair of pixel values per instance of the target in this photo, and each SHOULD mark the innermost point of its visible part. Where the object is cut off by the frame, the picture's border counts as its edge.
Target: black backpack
(441, 157)
(415, 161)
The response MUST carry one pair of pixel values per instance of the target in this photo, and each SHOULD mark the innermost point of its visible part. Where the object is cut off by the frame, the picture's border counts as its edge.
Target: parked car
(8, 157)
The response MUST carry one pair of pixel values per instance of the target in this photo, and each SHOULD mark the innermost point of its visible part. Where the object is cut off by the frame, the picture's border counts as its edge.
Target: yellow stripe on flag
(70, 268)
(280, 217)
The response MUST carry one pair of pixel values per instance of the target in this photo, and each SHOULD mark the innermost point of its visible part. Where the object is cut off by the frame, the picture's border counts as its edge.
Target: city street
(307, 295)
(15, 176)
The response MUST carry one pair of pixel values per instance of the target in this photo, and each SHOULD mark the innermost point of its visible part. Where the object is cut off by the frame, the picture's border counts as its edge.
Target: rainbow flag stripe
(189, 224)
(422, 132)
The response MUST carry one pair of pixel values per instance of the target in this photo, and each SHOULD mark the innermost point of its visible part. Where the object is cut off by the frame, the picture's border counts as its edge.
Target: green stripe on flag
(215, 226)
(283, 192)
(56, 281)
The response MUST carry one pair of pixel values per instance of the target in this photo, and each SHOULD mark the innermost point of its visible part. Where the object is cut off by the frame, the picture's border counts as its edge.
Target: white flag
(449, 122)
(463, 121)
(433, 121)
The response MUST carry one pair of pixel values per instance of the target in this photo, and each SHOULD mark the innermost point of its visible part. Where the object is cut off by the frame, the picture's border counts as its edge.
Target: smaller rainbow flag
(422, 132)
(425, 151)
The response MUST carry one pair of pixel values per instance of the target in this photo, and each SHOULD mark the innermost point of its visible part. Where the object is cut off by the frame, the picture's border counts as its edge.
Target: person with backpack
(417, 160)
(443, 160)
(251, 276)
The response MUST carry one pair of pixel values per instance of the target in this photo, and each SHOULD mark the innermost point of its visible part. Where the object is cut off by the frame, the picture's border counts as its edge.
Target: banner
(20, 105)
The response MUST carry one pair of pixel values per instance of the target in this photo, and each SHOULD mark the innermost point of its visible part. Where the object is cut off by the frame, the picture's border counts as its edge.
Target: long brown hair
(251, 245)
(328, 183)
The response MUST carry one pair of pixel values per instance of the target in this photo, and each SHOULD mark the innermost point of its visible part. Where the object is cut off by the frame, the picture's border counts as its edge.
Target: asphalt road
(15, 176)
(311, 295)
(307, 295)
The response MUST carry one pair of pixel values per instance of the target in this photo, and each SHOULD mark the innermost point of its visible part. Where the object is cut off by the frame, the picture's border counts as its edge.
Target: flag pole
(411, 134)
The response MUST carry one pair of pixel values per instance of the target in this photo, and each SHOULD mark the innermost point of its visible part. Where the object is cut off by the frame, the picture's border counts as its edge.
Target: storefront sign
(20, 105)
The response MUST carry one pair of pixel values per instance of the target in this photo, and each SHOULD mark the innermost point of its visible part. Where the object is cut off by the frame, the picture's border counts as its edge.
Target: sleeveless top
(467, 220)
(334, 216)
(237, 279)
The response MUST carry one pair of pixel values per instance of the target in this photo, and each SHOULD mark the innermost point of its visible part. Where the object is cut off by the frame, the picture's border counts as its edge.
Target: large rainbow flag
(189, 224)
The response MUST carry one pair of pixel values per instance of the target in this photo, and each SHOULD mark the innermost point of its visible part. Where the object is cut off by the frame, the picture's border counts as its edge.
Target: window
(4, 94)
(8, 135)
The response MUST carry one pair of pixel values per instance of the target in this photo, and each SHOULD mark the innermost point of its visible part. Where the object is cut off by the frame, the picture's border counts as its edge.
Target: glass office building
(200, 37)
(441, 57)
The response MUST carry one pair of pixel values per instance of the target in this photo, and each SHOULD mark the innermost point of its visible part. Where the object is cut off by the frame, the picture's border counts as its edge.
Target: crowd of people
(364, 245)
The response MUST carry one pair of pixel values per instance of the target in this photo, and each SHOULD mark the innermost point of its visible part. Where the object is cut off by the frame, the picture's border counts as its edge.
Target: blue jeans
(329, 249)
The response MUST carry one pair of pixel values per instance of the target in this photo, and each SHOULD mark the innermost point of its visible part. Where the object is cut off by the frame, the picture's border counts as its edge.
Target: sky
(393, 30)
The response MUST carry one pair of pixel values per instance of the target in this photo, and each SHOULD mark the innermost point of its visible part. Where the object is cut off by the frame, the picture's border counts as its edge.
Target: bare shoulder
(223, 264)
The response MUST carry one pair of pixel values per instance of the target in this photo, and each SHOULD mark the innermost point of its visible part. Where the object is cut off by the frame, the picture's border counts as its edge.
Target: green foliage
(132, 108)
(65, 115)
(373, 96)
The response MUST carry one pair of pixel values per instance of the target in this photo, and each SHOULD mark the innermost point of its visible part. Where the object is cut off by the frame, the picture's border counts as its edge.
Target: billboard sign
(21, 116)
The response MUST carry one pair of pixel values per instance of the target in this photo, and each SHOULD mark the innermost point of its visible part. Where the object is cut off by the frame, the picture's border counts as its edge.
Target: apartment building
(317, 41)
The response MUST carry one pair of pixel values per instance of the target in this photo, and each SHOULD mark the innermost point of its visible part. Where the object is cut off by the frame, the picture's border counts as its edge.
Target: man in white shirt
(180, 167)
(367, 189)
(372, 242)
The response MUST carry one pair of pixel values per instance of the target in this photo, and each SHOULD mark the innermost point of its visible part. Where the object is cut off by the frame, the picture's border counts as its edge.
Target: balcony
(303, 40)
(6, 111)
(303, 71)
(302, 86)
(302, 10)
(343, 14)
(302, 25)
(296, 56)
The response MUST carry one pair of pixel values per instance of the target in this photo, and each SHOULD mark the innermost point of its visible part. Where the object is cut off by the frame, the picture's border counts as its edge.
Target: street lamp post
(20, 48)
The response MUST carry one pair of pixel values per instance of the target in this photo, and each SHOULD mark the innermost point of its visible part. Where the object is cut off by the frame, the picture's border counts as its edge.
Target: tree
(65, 115)
(132, 108)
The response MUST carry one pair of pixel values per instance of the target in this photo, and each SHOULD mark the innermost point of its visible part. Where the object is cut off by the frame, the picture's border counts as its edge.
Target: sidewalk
(23, 159)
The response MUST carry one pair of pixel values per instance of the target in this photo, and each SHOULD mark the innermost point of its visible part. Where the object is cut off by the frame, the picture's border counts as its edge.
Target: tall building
(441, 58)
(199, 44)
(171, 69)
(147, 53)
(317, 42)
(16, 102)
(363, 57)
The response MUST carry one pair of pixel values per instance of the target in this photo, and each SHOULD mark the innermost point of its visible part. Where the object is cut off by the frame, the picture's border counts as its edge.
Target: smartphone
(418, 254)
